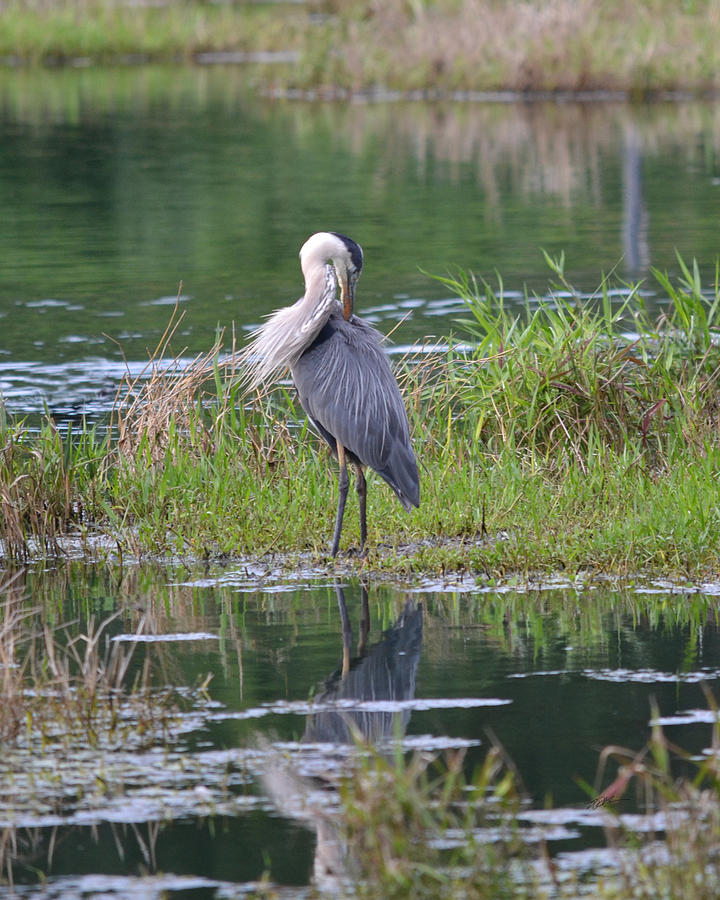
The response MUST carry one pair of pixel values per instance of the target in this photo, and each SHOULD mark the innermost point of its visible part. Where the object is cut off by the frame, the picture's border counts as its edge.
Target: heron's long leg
(364, 621)
(343, 485)
(346, 630)
(361, 486)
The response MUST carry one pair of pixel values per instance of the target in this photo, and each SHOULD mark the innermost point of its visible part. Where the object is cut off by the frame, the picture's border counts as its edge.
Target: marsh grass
(163, 399)
(194, 408)
(107, 32)
(50, 483)
(574, 422)
(571, 378)
(680, 857)
(578, 433)
(421, 826)
(437, 46)
(561, 45)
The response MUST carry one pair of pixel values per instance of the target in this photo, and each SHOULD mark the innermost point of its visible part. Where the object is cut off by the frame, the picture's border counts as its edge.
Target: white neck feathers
(278, 344)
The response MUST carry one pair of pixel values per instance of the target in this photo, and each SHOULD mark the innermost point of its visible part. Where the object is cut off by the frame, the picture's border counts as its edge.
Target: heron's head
(343, 254)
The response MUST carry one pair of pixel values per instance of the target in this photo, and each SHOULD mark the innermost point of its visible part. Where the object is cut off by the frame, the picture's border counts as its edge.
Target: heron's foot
(358, 552)
(350, 553)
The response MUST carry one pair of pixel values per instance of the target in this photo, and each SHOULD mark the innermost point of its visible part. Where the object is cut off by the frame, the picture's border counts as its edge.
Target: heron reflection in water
(342, 375)
(384, 671)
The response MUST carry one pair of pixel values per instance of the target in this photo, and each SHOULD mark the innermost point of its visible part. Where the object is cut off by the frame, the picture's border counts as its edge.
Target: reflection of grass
(530, 625)
(75, 708)
(72, 691)
(436, 44)
(579, 436)
(416, 827)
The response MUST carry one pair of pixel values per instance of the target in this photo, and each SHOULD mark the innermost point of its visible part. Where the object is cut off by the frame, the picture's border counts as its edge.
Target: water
(116, 185)
(556, 673)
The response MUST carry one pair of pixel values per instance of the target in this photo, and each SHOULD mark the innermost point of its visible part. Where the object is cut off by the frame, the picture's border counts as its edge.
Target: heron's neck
(288, 332)
(320, 286)
(320, 296)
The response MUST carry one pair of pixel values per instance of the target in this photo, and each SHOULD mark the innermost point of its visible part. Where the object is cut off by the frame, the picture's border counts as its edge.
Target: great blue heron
(342, 375)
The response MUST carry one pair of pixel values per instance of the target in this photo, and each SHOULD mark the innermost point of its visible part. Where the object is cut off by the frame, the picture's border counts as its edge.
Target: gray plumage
(342, 375)
(348, 390)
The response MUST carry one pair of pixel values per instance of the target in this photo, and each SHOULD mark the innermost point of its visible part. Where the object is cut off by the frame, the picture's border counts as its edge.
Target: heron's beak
(347, 295)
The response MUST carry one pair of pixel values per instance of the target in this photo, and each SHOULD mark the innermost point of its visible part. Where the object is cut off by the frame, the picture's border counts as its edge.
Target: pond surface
(555, 672)
(117, 185)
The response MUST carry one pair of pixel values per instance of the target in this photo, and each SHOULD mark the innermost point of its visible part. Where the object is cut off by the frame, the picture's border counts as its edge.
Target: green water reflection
(115, 185)
(580, 667)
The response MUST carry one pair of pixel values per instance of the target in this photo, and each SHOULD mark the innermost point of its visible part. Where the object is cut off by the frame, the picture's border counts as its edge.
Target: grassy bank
(446, 45)
(577, 436)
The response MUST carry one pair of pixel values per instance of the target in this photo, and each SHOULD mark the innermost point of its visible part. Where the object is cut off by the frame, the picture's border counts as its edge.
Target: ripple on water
(146, 887)
(689, 717)
(309, 707)
(628, 676)
(178, 636)
(651, 676)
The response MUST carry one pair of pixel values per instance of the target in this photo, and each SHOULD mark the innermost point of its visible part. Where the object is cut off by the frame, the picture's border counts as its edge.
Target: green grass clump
(588, 430)
(571, 380)
(50, 483)
(421, 828)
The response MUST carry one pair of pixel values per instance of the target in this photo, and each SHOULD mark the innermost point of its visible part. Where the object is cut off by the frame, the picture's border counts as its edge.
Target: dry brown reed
(175, 403)
(162, 399)
(524, 45)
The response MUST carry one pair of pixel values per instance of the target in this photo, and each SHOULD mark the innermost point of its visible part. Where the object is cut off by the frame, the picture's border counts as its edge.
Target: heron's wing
(347, 388)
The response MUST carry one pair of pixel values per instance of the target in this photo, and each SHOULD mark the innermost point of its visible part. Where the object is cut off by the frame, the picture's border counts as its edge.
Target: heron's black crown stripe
(355, 250)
